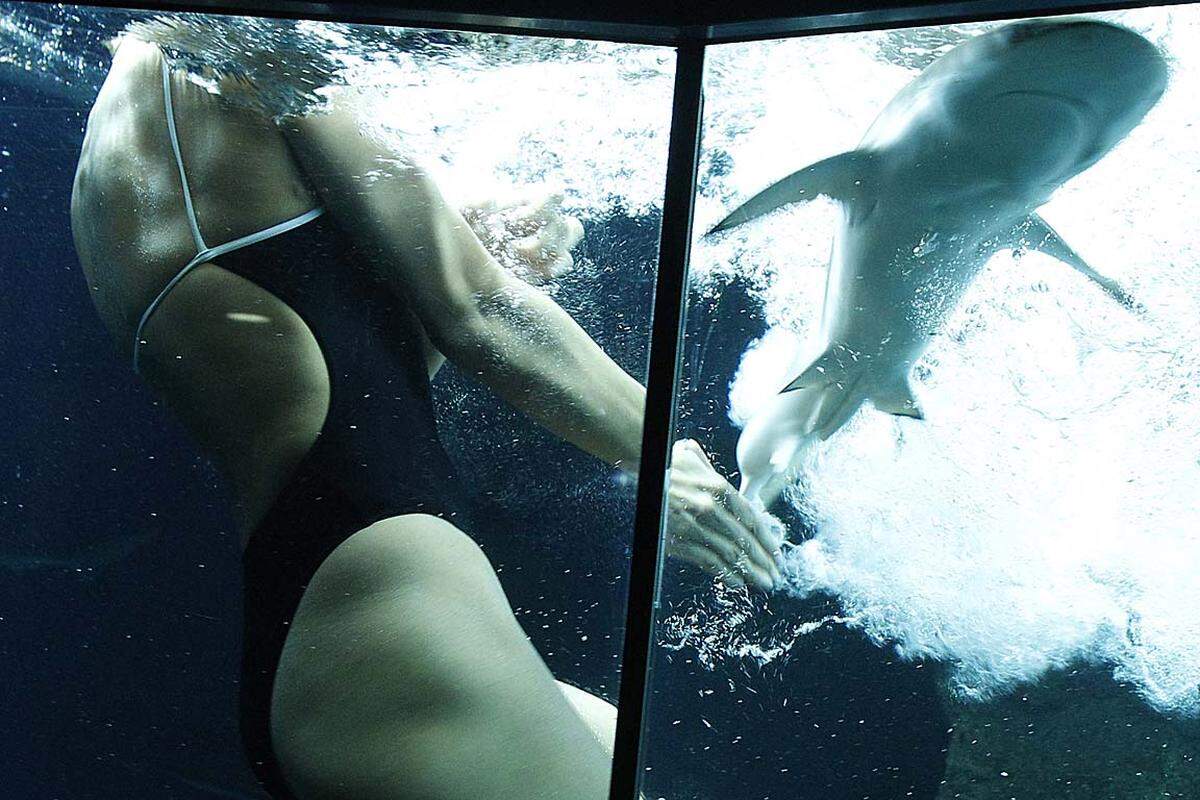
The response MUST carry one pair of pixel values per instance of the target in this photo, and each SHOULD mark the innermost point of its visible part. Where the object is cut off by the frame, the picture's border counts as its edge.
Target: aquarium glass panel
(941, 327)
(492, 198)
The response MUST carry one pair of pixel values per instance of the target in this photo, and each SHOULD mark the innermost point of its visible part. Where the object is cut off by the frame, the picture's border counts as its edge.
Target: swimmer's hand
(532, 237)
(713, 527)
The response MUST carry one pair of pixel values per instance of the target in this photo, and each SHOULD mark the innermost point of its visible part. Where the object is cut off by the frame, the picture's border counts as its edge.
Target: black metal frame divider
(689, 28)
(659, 425)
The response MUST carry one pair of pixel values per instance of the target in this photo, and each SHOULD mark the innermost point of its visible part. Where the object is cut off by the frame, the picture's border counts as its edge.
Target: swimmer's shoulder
(133, 58)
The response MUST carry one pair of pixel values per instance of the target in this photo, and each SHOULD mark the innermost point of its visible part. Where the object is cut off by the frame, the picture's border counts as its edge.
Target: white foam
(486, 112)
(596, 126)
(1047, 512)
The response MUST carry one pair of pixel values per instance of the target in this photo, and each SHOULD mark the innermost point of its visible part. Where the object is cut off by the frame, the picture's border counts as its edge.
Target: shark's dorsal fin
(840, 177)
(1034, 233)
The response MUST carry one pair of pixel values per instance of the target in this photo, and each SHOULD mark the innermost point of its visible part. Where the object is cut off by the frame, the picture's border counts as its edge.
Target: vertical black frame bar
(659, 425)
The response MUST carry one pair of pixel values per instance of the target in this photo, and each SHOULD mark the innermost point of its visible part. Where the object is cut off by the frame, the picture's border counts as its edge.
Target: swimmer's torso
(237, 365)
(292, 360)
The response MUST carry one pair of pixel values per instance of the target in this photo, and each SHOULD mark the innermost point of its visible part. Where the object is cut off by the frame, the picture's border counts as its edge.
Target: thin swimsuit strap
(204, 253)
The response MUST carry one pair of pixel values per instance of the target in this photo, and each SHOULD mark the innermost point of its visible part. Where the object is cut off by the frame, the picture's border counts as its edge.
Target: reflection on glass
(322, 253)
(950, 348)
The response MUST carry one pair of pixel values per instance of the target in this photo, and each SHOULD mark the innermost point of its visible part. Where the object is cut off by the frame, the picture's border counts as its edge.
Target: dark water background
(119, 587)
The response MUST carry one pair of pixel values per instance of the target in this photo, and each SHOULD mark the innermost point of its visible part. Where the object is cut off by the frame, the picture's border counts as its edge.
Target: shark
(951, 172)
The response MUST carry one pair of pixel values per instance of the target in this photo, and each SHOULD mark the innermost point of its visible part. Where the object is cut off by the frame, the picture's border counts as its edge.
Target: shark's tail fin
(810, 409)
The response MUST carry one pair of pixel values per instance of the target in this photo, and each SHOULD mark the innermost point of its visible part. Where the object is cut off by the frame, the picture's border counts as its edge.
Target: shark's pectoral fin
(841, 177)
(898, 399)
(1034, 233)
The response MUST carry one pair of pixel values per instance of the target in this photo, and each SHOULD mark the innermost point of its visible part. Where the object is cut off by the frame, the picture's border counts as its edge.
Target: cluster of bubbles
(486, 111)
(1047, 511)
(59, 49)
(728, 623)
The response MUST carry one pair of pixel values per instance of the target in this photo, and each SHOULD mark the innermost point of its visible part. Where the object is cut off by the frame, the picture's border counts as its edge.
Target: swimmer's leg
(406, 675)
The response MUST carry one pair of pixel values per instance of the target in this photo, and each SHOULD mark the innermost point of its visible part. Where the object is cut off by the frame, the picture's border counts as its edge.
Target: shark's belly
(890, 292)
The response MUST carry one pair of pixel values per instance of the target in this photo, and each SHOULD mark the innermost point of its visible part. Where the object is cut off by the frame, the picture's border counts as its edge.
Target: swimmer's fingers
(561, 232)
(542, 250)
(556, 227)
(756, 521)
(696, 521)
(753, 518)
(728, 532)
(547, 209)
(722, 531)
(572, 233)
(561, 265)
(549, 257)
(479, 207)
(703, 558)
(518, 215)
(720, 508)
(737, 556)
(533, 214)
(541, 264)
(734, 562)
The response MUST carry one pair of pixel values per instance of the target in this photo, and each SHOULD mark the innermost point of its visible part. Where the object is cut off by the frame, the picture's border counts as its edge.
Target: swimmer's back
(239, 367)
(290, 359)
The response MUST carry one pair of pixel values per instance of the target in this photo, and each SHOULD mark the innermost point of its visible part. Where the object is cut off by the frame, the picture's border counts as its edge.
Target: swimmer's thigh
(598, 714)
(406, 675)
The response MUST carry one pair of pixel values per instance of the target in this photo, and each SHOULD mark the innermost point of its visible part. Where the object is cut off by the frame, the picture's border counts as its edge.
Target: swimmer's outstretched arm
(531, 237)
(513, 337)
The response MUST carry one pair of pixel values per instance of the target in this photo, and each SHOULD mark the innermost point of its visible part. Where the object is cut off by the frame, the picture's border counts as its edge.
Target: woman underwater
(288, 284)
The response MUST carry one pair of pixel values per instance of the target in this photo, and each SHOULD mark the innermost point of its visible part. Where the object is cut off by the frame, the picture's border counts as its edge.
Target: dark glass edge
(383, 13)
(908, 17)
(657, 432)
(675, 30)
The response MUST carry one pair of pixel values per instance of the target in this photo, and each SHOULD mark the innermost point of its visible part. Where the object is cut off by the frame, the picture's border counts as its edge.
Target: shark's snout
(1022, 32)
(1097, 50)
(1101, 77)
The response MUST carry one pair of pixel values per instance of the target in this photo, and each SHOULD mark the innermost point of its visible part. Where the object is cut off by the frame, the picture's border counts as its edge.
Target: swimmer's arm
(533, 241)
(513, 337)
